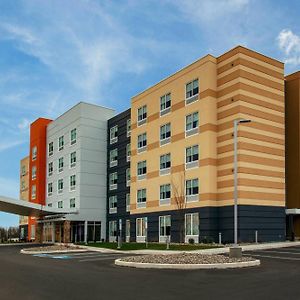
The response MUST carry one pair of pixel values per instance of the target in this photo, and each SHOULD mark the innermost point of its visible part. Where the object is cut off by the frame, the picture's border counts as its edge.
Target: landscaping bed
(153, 246)
(52, 249)
(186, 261)
(185, 258)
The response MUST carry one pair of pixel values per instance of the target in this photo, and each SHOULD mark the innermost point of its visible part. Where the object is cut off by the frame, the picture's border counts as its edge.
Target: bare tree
(178, 189)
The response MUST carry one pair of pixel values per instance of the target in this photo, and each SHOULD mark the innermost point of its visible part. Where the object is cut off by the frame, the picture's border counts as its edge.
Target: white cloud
(24, 124)
(5, 145)
(289, 43)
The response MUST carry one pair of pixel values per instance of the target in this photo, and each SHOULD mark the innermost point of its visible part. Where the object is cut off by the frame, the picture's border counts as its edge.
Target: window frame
(165, 134)
(163, 102)
(113, 199)
(113, 134)
(142, 117)
(72, 140)
(72, 182)
(194, 96)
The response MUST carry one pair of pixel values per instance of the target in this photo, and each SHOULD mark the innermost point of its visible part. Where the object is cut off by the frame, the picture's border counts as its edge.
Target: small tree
(178, 189)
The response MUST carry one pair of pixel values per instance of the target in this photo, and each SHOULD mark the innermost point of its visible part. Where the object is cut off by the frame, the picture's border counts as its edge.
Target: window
(113, 157)
(165, 194)
(142, 115)
(22, 185)
(128, 127)
(192, 91)
(73, 159)
(23, 170)
(60, 185)
(33, 192)
(192, 190)
(32, 233)
(191, 124)
(60, 204)
(141, 198)
(72, 182)
(50, 168)
(165, 104)
(164, 226)
(113, 181)
(142, 169)
(128, 152)
(192, 224)
(114, 134)
(113, 204)
(72, 203)
(33, 172)
(50, 189)
(127, 229)
(60, 143)
(60, 164)
(165, 134)
(49, 204)
(34, 152)
(112, 225)
(128, 177)
(141, 227)
(127, 202)
(73, 136)
(50, 149)
(142, 142)
(165, 161)
(192, 156)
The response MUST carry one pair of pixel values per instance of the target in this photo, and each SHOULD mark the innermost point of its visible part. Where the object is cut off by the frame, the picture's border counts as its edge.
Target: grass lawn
(153, 246)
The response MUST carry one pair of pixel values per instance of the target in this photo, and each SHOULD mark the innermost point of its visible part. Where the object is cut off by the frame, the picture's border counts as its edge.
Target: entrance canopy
(25, 208)
(293, 211)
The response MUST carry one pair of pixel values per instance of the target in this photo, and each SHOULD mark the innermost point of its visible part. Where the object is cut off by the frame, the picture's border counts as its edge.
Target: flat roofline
(251, 50)
(292, 76)
(85, 103)
(180, 70)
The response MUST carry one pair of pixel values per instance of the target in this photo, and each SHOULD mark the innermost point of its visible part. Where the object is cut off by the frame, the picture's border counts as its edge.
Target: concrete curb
(23, 251)
(14, 244)
(244, 264)
(224, 250)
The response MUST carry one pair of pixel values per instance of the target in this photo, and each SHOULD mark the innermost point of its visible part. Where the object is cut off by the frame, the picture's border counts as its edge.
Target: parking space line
(275, 257)
(279, 252)
(99, 258)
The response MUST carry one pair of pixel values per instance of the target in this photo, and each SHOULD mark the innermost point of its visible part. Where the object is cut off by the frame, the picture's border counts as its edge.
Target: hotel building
(163, 169)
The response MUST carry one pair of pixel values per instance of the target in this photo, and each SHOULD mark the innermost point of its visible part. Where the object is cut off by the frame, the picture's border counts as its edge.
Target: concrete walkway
(251, 247)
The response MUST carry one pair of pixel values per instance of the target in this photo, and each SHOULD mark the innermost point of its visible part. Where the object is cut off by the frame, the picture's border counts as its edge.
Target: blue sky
(56, 53)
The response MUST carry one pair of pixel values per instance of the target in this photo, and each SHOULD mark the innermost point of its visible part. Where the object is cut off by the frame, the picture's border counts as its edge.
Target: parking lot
(93, 275)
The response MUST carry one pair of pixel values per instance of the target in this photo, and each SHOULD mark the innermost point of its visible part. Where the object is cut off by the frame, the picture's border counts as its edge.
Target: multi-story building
(118, 176)
(182, 149)
(292, 117)
(24, 195)
(76, 173)
(176, 143)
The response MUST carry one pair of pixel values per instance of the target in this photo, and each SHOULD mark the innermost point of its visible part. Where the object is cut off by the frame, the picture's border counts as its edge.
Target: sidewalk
(252, 247)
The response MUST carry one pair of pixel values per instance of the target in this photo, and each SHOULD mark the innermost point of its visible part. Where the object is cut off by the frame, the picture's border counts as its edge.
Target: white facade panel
(90, 122)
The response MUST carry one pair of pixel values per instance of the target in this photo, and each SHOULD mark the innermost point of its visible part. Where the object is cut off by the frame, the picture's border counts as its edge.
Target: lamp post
(235, 251)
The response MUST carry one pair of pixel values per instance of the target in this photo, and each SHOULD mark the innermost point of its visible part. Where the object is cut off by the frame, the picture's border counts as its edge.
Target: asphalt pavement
(93, 275)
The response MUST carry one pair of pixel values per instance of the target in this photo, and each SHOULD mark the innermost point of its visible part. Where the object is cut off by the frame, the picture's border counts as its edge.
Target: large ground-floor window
(141, 229)
(112, 231)
(192, 227)
(164, 228)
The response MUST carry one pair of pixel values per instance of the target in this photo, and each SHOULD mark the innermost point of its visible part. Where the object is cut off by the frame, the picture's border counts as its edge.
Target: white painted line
(100, 258)
(84, 253)
(98, 255)
(275, 257)
(278, 252)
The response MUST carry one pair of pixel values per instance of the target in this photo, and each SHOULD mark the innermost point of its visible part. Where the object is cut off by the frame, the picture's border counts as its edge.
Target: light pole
(235, 138)
(236, 122)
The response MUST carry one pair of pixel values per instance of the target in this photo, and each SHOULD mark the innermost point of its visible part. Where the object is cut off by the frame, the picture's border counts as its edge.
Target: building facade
(182, 138)
(118, 176)
(292, 117)
(163, 169)
(24, 195)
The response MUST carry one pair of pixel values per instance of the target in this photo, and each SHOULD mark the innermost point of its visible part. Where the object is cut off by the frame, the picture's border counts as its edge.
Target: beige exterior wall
(251, 86)
(239, 84)
(24, 185)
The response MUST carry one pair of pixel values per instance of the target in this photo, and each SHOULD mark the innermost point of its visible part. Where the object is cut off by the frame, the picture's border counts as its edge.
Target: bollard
(220, 238)
(168, 242)
(256, 236)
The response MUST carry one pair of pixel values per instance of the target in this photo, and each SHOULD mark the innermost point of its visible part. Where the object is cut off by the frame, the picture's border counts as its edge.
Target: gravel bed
(51, 248)
(185, 258)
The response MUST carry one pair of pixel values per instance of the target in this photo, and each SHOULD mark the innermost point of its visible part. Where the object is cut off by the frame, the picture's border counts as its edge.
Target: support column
(39, 232)
(67, 229)
(53, 232)
(85, 231)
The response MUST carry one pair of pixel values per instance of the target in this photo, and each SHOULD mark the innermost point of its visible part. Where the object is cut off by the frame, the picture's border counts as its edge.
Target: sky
(56, 53)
